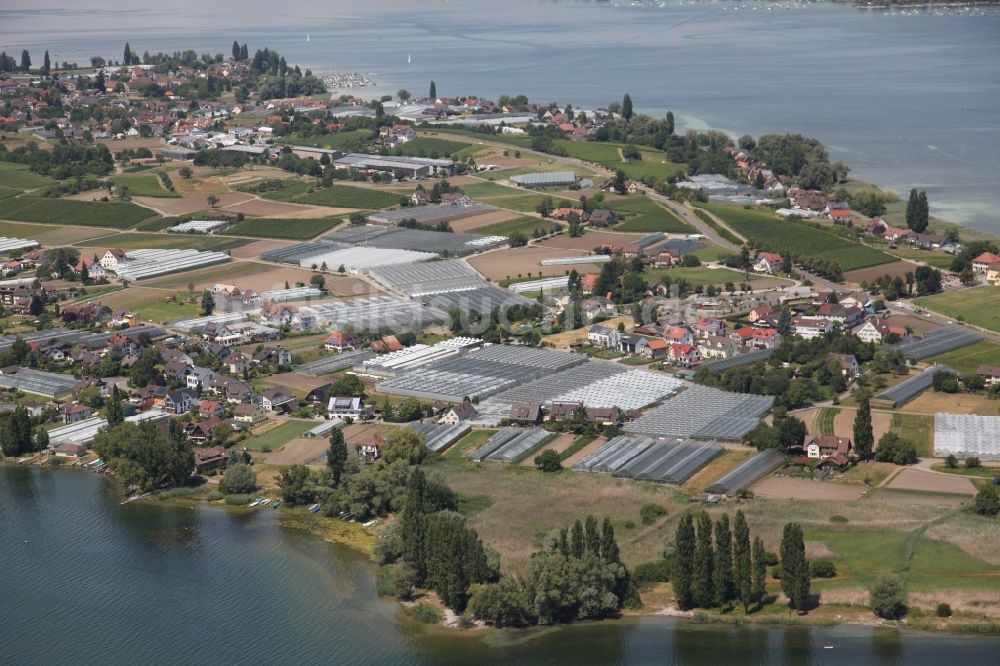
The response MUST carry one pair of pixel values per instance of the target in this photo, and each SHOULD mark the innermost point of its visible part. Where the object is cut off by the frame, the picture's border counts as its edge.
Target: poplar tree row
(717, 565)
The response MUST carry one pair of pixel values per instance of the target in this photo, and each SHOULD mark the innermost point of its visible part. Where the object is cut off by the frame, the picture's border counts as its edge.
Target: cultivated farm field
(294, 229)
(979, 305)
(113, 214)
(967, 359)
(799, 239)
(144, 186)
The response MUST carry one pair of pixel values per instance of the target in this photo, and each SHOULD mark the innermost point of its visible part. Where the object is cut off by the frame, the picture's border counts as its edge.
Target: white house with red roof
(767, 262)
(684, 355)
(981, 263)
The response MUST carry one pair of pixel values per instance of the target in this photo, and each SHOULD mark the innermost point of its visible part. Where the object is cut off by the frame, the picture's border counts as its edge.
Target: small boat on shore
(314, 508)
(255, 502)
(265, 501)
(276, 504)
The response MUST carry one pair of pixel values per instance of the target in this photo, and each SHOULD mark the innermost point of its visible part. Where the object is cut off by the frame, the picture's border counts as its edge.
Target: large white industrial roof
(150, 263)
(361, 259)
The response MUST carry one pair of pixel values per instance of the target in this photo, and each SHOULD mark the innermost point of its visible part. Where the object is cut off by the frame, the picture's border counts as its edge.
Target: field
(979, 306)
(343, 196)
(700, 275)
(968, 359)
(131, 240)
(144, 186)
(799, 239)
(485, 190)
(349, 141)
(916, 428)
(524, 225)
(807, 489)
(505, 264)
(294, 229)
(641, 214)
(113, 214)
(19, 177)
(425, 146)
(931, 402)
(931, 482)
(8, 192)
(937, 259)
(590, 239)
(872, 273)
(277, 437)
(609, 156)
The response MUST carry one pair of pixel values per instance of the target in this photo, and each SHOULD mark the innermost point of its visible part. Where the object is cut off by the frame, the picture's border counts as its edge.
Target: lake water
(905, 100)
(88, 581)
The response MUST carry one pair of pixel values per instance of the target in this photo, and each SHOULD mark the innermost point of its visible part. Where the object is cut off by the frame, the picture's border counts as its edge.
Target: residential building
(678, 335)
(719, 346)
(526, 413)
(825, 446)
(877, 329)
(848, 365)
(981, 263)
(455, 414)
(210, 459)
(112, 258)
(181, 401)
(990, 373)
(276, 398)
(684, 355)
(765, 338)
(603, 336)
(656, 348)
(811, 327)
(76, 413)
(848, 317)
(249, 413)
(340, 340)
(345, 406)
(370, 449)
(768, 262)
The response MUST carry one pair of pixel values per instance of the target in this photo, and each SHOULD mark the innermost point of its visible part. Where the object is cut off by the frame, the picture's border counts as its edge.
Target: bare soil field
(931, 402)
(170, 207)
(350, 286)
(299, 451)
(568, 338)
(914, 323)
(132, 143)
(908, 499)
(932, 482)
(559, 444)
(358, 432)
(60, 236)
(843, 422)
(134, 297)
(523, 260)
(897, 268)
(807, 489)
(486, 219)
(584, 452)
(590, 240)
(252, 173)
(201, 186)
(245, 273)
(296, 381)
(264, 208)
(257, 248)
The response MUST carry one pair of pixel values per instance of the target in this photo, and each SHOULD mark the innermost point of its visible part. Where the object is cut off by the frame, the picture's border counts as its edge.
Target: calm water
(904, 100)
(87, 581)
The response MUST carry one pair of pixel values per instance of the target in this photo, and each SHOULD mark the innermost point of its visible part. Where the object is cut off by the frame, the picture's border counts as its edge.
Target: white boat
(314, 508)
(307, 37)
(254, 503)
(409, 58)
(265, 502)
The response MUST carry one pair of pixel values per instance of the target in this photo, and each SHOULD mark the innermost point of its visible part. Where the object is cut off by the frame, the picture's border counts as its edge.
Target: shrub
(238, 500)
(840, 520)
(776, 572)
(972, 462)
(822, 569)
(396, 580)
(426, 614)
(888, 599)
(657, 571)
(951, 462)
(548, 461)
(650, 512)
(629, 525)
(770, 559)
(239, 479)
(987, 501)
(943, 610)
(214, 496)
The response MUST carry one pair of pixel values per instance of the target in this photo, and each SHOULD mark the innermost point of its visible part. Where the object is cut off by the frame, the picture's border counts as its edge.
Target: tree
(609, 546)
(336, 456)
(892, 448)
(917, 211)
(318, 281)
(888, 599)
(702, 576)
(405, 444)
(576, 543)
(433, 91)
(297, 485)
(144, 456)
(116, 413)
(987, 501)
(236, 50)
(681, 576)
(207, 303)
(413, 525)
(46, 64)
(758, 583)
(15, 432)
(239, 479)
(25, 61)
(670, 123)
(741, 560)
(403, 94)
(212, 200)
(723, 564)
(864, 439)
(185, 172)
(548, 461)
(794, 567)
(627, 107)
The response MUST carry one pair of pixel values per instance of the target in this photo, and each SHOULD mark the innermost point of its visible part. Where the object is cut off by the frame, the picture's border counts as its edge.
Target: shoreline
(356, 537)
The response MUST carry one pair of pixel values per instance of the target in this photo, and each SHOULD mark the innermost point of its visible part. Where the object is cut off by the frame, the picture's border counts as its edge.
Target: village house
(765, 338)
(69, 450)
(525, 413)
(276, 398)
(112, 259)
(825, 446)
(75, 413)
(990, 373)
(210, 408)
(848, 317)
(603, 336)
(249, 413)
(768, 262)
(877, 329)
(993, 274)
(678, 335)
(982, 263)
(684, 355)
(340, 340)
(656, 348)
(848, 365)
(718, 346)
(811, 327)
(455, 414)
(181, 401)
(198, 377)
(345, 406)
(560, 411)
(210, 459)
(758, 313)
(273, 355)
(370, 449)
(709, 326)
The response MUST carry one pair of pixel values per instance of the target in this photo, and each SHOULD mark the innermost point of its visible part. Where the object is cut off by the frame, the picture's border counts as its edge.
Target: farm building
(905, 390)
(429, 215)
(545, 179)
(39, 382)
(198, 227)
(964, 435)
(143, 264)
(701, 412)
(409, 167)
(373, 313)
